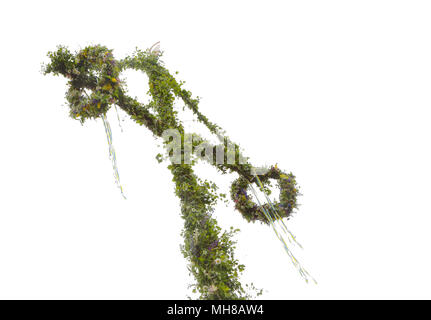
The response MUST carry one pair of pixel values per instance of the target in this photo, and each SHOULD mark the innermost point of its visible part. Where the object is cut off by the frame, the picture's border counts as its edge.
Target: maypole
(95, 86)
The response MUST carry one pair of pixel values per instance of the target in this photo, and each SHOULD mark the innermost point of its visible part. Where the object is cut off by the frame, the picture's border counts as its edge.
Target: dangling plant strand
(112, 154)
(118, 118)
(274, 219)
(277, 218)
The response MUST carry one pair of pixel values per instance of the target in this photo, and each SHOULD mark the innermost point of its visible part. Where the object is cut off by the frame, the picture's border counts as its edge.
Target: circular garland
(95, 85)
(92, 69)
(251, 211)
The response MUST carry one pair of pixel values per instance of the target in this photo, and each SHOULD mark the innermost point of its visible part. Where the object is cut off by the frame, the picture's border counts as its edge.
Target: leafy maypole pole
(95, 86)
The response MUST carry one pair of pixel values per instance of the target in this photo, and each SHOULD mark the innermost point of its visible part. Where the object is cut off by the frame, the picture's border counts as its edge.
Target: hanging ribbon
(112, 155)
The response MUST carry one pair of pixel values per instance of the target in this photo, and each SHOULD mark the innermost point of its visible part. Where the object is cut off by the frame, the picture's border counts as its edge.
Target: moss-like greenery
(95, 85)
(251, 211)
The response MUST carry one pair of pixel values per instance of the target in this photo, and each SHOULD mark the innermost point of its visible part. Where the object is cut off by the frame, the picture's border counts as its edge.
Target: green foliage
(251, 211)
(95, 85)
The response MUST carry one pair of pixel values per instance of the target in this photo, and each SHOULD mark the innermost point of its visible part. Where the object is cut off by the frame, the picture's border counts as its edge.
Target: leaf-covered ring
(252, 211)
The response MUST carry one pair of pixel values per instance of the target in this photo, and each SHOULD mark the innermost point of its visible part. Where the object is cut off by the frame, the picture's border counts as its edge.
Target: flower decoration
(93, 79)
(251, 211)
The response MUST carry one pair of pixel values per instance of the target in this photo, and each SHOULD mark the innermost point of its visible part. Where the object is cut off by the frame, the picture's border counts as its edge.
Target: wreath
(252, 211)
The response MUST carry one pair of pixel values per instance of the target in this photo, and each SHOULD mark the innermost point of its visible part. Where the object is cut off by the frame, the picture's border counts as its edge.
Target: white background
(338, 92)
